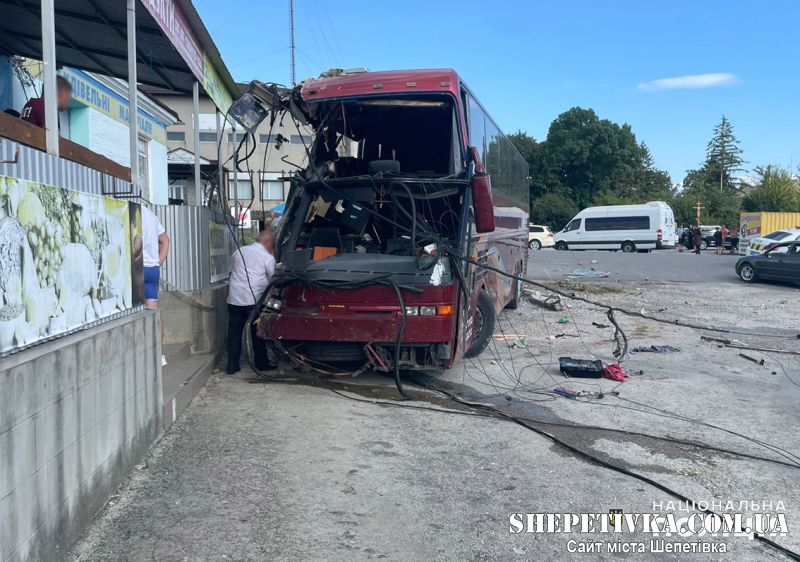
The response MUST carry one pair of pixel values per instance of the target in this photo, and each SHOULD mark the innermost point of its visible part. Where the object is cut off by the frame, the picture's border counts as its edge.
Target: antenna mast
(291, 42)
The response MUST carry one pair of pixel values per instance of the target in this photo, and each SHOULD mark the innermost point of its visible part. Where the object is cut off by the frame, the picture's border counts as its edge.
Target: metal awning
(91, 35)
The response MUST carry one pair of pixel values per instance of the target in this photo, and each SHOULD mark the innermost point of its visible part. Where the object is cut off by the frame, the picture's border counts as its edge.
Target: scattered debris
(565, 392)
(551, 302)
(566, 336)
(581, 368)
(756, 360)
(614, 372)
(590, 273)
(599, 325)
(563, 320)
(741, 345)
(655, 349)
(591, 288)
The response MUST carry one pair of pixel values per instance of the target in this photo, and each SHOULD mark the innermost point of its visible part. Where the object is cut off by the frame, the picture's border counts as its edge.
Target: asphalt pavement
(657, 266)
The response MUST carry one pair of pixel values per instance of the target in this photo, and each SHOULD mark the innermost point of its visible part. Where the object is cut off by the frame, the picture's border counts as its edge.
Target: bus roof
(388, 81)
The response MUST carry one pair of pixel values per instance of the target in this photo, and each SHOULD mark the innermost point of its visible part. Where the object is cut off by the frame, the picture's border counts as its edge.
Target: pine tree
(723, 155)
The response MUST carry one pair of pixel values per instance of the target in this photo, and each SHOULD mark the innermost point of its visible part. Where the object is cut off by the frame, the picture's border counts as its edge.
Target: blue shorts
(151, 275)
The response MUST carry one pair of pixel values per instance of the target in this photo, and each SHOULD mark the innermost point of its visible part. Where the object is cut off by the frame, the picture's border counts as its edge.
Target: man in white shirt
(155, 247)
(251, 271)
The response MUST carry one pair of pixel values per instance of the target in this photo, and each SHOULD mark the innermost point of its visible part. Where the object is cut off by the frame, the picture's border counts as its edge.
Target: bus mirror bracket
(481, 194)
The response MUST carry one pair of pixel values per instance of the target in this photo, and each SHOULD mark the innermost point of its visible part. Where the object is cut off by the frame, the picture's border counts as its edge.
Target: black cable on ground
(597, 428)
(622, 470)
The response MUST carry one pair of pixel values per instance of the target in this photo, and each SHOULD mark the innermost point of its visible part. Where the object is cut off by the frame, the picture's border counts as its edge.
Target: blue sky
(528, 61)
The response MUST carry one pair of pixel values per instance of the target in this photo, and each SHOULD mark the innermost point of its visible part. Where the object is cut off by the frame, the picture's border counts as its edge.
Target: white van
(620, 227)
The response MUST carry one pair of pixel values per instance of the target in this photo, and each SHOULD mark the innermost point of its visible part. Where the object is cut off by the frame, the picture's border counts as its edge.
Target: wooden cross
(698, 207)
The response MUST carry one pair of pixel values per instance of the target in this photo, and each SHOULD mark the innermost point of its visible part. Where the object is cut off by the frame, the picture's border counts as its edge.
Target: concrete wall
(76, 414)
(197, 318)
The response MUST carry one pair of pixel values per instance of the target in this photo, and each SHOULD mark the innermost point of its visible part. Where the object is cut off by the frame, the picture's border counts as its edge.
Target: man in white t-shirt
(155, 247)
(251, 270)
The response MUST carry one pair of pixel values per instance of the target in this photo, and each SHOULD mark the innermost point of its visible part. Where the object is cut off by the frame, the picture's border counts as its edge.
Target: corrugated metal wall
(20, 161)
(187, 267)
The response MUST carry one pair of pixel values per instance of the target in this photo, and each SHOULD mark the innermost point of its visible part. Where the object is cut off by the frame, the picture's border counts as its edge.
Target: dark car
(779, 263)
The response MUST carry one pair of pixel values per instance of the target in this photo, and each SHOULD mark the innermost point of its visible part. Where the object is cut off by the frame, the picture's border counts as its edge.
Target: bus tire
(485, 318)
(561, 245)
(516, 298)
(628, 247)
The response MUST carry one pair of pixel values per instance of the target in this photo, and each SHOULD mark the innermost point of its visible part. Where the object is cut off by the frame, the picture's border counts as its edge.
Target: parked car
(779, 263)
(758, 246)
(629, 228)
(539, 236)
(708, 235)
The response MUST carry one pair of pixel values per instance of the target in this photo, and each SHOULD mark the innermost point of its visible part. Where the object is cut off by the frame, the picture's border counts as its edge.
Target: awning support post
(220, 179)
(198, 186)
(49, 60)
(133, 100)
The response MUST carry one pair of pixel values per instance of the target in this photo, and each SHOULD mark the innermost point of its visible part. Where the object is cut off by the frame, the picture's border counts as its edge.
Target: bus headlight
(427, 311)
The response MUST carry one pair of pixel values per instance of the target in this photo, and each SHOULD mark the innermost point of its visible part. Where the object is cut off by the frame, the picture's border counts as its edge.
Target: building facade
(97, 118)
(259, 185)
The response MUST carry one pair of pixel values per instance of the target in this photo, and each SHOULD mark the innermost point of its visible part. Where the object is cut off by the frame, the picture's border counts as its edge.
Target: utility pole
(291, 42)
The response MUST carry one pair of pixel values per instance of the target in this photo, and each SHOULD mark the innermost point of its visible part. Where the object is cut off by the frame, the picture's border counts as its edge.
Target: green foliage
(723, 155)
(592, 161)
(587, 161)
(777, 190)
(553, 210)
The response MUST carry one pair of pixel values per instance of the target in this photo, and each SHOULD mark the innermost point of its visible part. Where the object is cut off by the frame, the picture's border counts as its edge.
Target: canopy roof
(91, 35)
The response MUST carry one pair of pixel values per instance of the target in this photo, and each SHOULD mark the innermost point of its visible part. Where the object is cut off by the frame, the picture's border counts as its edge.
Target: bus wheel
(628, 247)
(513, 304)
(484, 325)
(561, 245)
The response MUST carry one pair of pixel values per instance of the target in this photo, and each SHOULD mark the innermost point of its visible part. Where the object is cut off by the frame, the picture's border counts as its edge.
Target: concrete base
(198, 318)
(76, 415)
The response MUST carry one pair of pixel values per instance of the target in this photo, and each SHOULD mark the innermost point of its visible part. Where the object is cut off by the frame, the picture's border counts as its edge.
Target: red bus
(374, 242)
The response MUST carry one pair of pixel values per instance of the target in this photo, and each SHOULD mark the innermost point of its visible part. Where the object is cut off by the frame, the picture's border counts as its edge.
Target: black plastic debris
(581, 368)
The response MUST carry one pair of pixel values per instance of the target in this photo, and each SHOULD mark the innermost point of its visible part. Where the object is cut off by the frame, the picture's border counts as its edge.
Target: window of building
(144, 167)
(241, 188)
(206, 136)
(179, 136)
(618, 223)
(272, 190)
(266, 139)
(177, 189)
(236, 137)
(301, 139)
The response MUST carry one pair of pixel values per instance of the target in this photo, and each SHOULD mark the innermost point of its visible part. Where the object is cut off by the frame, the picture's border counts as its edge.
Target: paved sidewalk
(292, 472)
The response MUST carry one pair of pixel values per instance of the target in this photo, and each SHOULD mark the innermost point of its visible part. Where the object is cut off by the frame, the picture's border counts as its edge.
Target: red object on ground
(614, 372)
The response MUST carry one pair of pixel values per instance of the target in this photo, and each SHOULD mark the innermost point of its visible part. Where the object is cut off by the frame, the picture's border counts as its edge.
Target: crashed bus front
(376, 227)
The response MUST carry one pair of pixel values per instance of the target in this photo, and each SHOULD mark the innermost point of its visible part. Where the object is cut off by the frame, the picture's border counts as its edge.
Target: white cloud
(691, 82)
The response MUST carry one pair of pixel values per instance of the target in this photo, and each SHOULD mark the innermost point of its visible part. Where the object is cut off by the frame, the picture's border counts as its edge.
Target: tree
(723, 155)
(777, 190)
(588, 161)
(525, 143)
(553, 210)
